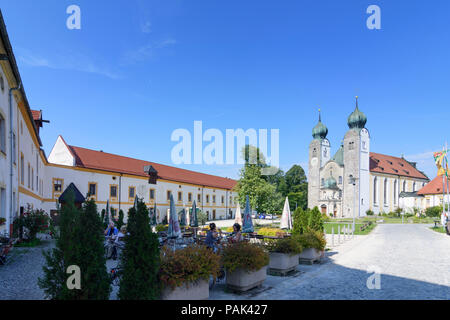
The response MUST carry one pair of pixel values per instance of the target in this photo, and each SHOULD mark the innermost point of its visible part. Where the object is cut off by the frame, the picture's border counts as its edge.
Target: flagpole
(446, 177)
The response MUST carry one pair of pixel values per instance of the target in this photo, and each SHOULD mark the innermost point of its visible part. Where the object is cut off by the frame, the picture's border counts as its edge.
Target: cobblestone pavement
(18, 279)
(413, 262)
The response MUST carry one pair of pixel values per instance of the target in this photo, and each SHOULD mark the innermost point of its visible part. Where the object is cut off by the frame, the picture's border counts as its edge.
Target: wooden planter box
(310, 255)
(283, 262)
(241, 280)
(195, 291)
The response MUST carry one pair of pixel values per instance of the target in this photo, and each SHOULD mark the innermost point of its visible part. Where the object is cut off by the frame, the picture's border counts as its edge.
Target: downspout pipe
(11, 144)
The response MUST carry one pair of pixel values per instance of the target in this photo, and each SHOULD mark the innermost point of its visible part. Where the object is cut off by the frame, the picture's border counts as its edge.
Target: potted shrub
(284, 254)
(2, 221)
(313, 243)
(245, 265)
(185, 273)
(272, 232)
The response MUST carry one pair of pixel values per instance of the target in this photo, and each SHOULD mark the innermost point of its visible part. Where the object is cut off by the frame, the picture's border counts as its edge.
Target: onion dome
(331, 183)
(357, 120)
(339, 156)
(320, 131)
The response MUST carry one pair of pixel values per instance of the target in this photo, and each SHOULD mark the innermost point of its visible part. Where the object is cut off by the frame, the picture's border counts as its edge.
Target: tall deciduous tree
(140, 258)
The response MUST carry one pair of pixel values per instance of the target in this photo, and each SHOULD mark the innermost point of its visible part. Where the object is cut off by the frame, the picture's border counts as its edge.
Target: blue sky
(137, 70)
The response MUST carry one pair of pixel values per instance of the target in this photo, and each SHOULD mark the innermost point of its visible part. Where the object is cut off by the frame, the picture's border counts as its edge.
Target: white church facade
(355, 180)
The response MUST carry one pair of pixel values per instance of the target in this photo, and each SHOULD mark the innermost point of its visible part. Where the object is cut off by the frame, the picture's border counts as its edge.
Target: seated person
(212, 237)
(111, 231)
(121, 235)
(236, 236)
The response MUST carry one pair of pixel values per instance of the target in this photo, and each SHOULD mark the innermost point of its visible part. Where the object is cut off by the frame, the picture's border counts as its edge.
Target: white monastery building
(29, 180)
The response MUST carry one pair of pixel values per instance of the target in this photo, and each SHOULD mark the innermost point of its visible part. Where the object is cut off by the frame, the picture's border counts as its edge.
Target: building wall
(104, 180)
(390, 201)
(5, 156)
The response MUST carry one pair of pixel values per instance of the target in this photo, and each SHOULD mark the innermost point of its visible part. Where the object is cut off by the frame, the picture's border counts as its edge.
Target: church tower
(319, 154)
(356, 165)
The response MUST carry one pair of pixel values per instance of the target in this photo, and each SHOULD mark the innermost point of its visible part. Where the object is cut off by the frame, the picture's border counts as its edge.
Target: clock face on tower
(314, 162)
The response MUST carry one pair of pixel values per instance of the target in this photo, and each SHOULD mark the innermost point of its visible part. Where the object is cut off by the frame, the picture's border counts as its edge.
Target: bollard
(339, 234)
(332, 236)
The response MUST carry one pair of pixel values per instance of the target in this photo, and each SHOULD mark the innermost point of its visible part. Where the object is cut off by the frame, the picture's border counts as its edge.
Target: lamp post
(352, 180)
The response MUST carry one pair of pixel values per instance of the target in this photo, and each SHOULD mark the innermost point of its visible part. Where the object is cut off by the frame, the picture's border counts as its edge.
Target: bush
(202, 217)
(315, 221)
(80, 243)
(272, 232)
(119, 223)
(325, 217)
(433, 211)
(312, 239)
(247, 256)
(34, 222)
(187, 265)
(140, 259)
(300, 221)
(370, 212)
(2, 221)
(289, 245)
(161, 227)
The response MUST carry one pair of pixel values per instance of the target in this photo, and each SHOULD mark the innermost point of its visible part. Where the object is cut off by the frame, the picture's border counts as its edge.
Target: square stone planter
(310, 255)
(283, 262)
(242, 280)
(198, 290)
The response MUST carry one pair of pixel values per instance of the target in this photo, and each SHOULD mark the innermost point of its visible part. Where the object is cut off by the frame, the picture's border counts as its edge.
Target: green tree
(316, 220)
(434, 211)
(298, 200)
(296, 179)
(103, 215)
(62, 256)
(95, 283)
(300, 221)
(140, 258)
(202, 217)
(119, 223)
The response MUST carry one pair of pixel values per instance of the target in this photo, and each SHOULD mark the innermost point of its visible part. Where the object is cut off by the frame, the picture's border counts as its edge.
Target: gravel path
(413, 263)
(18, 279)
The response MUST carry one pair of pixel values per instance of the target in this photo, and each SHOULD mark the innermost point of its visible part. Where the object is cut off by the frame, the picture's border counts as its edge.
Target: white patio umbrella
(238, 215)
(174, 225)
(286, 217)
(188, 219)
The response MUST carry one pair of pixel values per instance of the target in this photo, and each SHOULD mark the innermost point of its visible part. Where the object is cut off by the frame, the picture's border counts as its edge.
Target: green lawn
(331, 225)
(438, 229)
(427, 220)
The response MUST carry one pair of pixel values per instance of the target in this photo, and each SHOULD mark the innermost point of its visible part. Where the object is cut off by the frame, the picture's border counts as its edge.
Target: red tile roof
(92, 159)
(433, 187)
(36, 114)
(393, 165)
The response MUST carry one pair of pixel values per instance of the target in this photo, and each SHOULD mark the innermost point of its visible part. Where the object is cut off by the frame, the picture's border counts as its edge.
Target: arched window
(414, 186)
(385, 191)
(375, 187)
